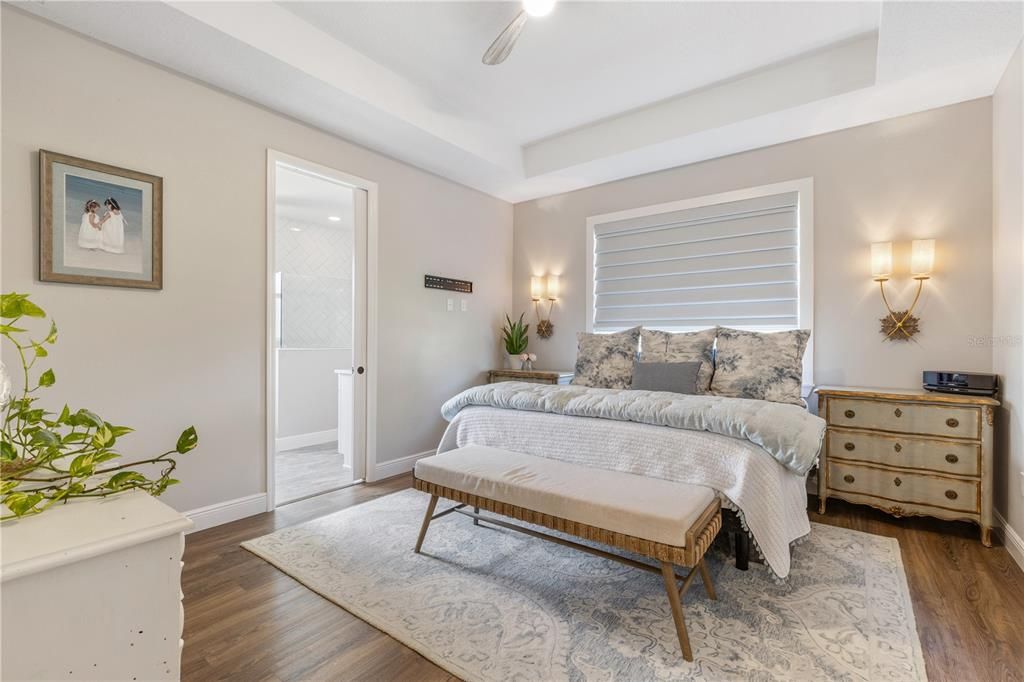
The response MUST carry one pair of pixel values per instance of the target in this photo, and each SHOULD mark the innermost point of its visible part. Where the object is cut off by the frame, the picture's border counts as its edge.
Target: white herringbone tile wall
(315, 263)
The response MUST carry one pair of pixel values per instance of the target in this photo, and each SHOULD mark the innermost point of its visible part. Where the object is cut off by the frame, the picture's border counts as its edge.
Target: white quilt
(772, 501)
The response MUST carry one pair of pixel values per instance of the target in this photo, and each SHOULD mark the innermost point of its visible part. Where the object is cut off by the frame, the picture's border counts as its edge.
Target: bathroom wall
(315, 334)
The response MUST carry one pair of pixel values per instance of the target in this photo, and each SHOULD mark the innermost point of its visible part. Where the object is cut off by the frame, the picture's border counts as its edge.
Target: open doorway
(317, 304)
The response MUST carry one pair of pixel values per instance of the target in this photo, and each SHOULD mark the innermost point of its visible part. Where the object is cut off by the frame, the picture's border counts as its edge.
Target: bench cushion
(647, 508)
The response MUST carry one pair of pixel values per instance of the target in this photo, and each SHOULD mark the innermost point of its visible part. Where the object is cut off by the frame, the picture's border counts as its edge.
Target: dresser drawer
(962, 459)
(931, 420)
(898, 486)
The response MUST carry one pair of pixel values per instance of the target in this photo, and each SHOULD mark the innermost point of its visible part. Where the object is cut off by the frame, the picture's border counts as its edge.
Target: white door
(359, 298)
(318, 233)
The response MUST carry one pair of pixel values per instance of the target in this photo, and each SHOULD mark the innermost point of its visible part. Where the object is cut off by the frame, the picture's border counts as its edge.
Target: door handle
(360, 370)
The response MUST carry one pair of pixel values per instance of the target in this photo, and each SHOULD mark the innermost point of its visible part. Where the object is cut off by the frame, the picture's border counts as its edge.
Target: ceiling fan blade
(503, 44)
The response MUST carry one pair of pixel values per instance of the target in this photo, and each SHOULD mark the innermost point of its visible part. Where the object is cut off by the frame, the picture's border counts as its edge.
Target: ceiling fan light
(538, 8)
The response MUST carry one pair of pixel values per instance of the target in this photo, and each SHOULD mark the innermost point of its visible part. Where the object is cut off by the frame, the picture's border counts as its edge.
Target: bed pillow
(659, 346)
(606, 360)
(677, 377)
(760, 366)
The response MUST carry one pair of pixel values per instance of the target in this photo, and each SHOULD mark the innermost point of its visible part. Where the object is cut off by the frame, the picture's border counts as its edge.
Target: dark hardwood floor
(245, 620)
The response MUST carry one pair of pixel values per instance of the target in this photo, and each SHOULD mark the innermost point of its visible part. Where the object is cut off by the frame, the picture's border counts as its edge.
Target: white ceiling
(594, 92)
(585, 61)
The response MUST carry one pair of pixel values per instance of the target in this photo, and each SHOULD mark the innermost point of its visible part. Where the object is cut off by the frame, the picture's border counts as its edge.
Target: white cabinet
(346, 440)
(92, 590)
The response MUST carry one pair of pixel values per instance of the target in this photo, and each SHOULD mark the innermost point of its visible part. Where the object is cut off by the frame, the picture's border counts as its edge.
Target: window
(739, 259)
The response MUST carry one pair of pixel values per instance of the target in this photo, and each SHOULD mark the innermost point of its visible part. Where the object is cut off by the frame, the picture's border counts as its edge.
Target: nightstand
(533, 376)
(909, 452)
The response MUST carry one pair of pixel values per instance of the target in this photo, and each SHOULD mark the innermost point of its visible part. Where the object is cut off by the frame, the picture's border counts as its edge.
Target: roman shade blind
(734, 263)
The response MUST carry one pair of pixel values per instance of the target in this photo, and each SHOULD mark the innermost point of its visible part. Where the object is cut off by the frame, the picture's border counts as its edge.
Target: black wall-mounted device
(437, 282)
(968, 383)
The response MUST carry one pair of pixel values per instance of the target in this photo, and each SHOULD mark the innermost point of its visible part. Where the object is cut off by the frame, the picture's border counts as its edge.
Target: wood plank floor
(245, 620)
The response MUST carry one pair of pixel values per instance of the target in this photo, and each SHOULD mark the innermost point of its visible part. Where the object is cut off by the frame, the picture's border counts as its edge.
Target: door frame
(369, 427)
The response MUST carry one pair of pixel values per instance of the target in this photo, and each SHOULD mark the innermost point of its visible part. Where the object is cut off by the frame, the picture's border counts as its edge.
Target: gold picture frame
(99, 224)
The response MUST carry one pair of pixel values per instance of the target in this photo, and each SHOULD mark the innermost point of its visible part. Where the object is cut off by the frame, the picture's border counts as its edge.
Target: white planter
(513, 362)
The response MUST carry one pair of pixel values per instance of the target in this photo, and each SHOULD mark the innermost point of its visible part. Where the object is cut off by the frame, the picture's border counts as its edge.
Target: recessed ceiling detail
(593, 92)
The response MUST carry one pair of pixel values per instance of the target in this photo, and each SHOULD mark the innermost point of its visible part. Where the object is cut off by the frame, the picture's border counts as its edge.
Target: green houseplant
(50, 457)
(515, 336)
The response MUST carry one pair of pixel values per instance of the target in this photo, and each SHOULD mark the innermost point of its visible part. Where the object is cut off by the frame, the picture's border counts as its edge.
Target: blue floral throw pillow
(606, 360)
(759, 365)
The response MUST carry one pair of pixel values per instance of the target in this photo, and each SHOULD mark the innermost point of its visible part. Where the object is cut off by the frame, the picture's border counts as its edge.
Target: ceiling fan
(502, 46)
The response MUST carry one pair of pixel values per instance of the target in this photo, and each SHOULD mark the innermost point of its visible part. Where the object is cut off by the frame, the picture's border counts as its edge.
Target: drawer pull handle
(897, 481)
(897, 447)
(850, 414)
(898, 412)
(952, 423)
(952, 459)
(849, 446)
(951, 494)
(848, 478)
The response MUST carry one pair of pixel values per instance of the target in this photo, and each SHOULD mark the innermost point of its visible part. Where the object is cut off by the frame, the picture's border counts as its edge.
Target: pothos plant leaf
(52, 457)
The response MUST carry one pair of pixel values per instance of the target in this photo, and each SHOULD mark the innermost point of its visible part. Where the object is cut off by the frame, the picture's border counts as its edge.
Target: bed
(755, 454)
(769, 498)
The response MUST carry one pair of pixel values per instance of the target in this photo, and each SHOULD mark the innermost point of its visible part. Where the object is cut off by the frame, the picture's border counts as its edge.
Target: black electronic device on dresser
(965, 383)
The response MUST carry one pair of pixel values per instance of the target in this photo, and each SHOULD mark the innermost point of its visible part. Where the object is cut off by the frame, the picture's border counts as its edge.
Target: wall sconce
(900, 325)
(544, 287)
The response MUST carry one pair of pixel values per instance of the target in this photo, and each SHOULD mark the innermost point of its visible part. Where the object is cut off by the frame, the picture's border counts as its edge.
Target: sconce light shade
(553, 287)
(536, 288)
(922, 258)
(881, 261)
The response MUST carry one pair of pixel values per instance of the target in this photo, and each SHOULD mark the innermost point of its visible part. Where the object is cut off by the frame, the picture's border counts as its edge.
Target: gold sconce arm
(901, 325)
(544, 327)
(544, 287)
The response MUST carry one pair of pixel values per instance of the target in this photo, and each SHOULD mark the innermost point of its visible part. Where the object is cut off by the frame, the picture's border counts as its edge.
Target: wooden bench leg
(705, 576)
(426, 522)
(476, 510)
(668, 573)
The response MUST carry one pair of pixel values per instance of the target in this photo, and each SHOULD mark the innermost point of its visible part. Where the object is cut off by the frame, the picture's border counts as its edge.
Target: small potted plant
(515, 336)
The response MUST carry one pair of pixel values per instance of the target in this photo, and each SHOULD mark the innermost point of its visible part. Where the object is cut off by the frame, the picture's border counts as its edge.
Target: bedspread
(788, 433)
(771, 500)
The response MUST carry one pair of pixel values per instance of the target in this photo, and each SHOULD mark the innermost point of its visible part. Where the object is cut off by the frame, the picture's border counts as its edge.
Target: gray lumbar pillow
(677, 377)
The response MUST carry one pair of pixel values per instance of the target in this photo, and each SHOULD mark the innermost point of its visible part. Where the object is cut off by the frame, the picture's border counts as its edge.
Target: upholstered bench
(673, 523)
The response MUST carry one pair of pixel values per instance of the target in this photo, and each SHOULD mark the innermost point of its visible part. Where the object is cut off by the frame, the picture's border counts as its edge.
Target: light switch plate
(450, 305)
(464, 305)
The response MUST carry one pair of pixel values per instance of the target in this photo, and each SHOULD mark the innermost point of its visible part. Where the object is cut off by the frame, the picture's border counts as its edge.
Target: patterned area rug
(491, 604)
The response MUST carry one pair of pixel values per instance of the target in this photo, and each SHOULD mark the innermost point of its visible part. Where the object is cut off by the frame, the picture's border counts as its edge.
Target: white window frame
(804, 187)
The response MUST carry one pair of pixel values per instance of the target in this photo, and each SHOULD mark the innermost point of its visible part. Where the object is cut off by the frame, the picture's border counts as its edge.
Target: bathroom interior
(313, 293)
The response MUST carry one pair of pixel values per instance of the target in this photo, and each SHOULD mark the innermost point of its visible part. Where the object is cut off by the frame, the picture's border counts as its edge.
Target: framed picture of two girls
(99, 224)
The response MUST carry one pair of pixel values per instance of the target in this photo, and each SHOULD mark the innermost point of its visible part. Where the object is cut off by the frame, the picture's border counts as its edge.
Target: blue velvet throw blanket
(789, 433)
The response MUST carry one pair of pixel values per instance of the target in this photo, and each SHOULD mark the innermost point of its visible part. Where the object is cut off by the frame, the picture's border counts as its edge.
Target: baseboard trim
(304, 440)
(1013, 542)
(226, 512)
(397, 467)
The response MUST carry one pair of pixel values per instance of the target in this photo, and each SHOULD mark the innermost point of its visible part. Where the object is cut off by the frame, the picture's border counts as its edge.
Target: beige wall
(194, 352)
(1007, 284)
(928, 175)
